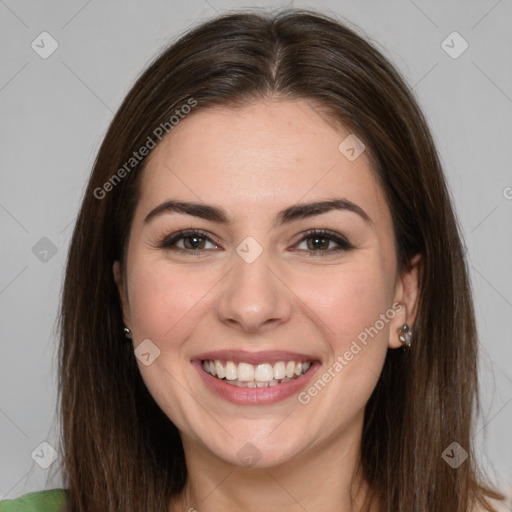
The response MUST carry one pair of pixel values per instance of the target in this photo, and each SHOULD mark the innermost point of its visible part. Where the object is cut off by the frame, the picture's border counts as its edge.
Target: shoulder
(41, 501)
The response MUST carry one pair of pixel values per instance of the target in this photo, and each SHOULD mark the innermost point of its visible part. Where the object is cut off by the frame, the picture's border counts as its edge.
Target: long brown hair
(121, 452)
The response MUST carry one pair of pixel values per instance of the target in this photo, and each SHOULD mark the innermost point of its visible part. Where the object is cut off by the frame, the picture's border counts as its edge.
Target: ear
(406, 297)
(123, 296)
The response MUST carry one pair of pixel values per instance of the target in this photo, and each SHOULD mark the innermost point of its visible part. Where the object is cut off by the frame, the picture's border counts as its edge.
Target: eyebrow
(286, 216)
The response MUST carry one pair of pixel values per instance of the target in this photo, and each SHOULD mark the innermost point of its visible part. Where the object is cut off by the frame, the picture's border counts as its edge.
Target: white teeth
(220, 370)
(230, 369)
(264, 373)
(279, 370)
(245, 372)
(254, 384)
(261, 375)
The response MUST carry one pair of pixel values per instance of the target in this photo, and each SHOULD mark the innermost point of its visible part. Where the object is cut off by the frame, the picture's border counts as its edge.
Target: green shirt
(42, 501)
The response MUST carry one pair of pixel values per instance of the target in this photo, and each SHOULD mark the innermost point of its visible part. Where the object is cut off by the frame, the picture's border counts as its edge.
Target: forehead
(261, 155)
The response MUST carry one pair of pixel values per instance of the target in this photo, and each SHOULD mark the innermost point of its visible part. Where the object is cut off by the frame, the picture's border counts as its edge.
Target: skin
(253, 162)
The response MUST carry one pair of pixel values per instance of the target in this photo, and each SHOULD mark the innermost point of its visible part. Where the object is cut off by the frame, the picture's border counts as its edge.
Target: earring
(127, 332)
(405, 335)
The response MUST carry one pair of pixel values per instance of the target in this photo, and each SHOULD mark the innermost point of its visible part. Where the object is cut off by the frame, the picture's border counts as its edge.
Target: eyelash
(343, 244)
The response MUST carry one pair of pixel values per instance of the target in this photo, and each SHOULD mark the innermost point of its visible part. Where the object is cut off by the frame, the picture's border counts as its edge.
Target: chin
(260, 454)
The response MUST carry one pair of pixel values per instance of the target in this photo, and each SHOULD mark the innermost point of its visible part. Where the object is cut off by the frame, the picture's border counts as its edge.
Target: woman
(266, 303)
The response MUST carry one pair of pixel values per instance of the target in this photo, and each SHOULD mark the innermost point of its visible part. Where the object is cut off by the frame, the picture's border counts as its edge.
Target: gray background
(54, 113)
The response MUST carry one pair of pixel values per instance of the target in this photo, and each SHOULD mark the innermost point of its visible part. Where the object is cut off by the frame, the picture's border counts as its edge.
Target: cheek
(348, 299)
(164, 301)
(347, 304)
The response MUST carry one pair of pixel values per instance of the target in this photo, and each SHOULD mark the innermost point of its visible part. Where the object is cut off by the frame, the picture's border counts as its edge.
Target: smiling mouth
(255, 376)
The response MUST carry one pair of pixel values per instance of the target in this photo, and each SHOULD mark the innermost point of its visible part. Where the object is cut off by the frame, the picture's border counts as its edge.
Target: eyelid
(342, 243)
(337, 238)
(167, 241)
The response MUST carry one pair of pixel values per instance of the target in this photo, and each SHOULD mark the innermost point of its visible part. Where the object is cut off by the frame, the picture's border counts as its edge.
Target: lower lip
(256, 396)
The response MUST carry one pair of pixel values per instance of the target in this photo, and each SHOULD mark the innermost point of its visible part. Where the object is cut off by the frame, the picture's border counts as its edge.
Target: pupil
(194, 241)
(319, 243)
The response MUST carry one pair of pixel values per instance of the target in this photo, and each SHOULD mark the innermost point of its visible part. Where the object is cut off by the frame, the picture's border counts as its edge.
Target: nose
(253, 297)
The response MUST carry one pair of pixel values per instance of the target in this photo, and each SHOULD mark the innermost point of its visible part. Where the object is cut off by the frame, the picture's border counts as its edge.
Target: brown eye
(193, 242)
(320, 242)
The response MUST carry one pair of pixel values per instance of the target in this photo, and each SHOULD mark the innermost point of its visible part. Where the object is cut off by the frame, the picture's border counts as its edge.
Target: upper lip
(243, 356)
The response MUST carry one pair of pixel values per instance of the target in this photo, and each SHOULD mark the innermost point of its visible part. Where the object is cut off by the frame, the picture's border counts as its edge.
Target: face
(248, 279)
